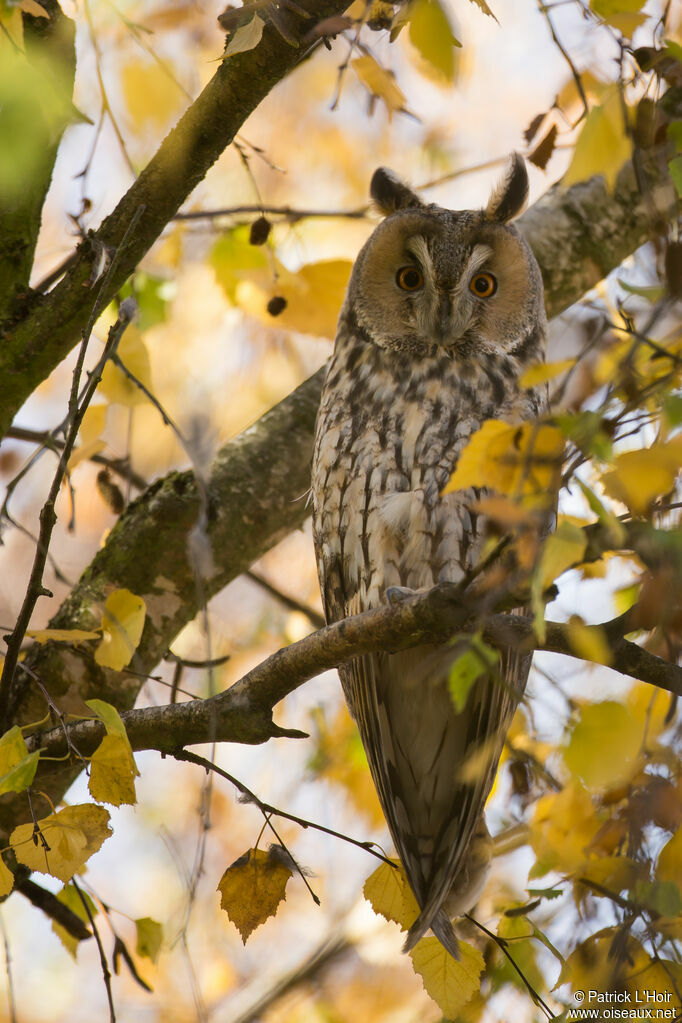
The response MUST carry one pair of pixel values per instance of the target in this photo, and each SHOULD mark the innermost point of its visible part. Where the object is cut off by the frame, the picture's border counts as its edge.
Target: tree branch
(244, 712)
(33, 345)
(50, 66)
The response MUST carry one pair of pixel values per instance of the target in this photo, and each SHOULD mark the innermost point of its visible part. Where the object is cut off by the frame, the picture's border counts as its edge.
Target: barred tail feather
(441, 927)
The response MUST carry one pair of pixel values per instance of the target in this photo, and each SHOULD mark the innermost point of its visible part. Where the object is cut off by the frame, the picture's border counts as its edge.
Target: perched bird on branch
(443, 312)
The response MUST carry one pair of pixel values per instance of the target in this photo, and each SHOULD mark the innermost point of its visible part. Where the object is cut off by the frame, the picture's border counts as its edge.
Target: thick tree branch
(33, 345)
(50, 67)
(244, 712)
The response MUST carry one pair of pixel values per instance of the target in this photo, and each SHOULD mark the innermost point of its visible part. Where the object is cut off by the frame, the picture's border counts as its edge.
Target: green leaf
(603, 145)
(70, 897)
(675, 169)
(149, 938)
(663, 897)
(432, 36)
(474, 662)
(672, 409)
(233, 258)
(247, 37)
(652, 293)
(17, 765)
(604, 745)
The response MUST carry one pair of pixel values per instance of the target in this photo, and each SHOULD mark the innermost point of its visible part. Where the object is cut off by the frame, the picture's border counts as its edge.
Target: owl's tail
(440, 925)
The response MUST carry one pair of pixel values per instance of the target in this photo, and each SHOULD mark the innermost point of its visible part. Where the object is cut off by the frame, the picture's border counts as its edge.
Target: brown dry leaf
(542, 153)
(252, 889)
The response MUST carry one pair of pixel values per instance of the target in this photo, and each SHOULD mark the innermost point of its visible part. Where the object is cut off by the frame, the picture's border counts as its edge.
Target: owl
(443, 312)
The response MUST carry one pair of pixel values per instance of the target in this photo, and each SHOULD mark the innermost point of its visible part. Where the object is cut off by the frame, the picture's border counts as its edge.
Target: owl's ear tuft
(390, 193)
(509, 197)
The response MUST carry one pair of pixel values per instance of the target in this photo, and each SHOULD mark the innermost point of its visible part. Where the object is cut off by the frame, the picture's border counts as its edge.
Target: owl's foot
(394, 594)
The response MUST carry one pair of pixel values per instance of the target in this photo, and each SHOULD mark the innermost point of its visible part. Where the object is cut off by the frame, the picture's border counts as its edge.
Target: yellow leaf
(603, 749)
(70, 898)
(313, 296)
(252, 889)
(588, 641)
(562, 550)
(433, 38)
(505, 513)
(17, 765)
(149, 938)
(563, 825)
(247, 37)
(450, 983)
(541, 372)
(639, 477)
(650, 708)
(85, 451)
(615, 873)
(115, 385)
(122, 624)
(521, 461)
(603, 145)
(234, 259)
(390, 895)
(621, 14)
(72, 835)
(62, 635)
(150, 94)
(380, 82)
(113, 772)
(6, 879)
(669, 866)
(93, 423)
(111, 718)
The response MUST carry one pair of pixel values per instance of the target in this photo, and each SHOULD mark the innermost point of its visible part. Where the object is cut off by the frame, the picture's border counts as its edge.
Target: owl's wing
(433, 767)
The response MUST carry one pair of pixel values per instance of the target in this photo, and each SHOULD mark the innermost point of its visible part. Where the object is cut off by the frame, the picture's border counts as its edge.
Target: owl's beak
(452, 320)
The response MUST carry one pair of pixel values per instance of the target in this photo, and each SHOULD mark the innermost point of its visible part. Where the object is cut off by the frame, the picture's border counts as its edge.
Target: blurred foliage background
(589, 786)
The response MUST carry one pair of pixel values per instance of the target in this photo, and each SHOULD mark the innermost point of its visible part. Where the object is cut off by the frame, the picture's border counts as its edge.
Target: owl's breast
(381, 461)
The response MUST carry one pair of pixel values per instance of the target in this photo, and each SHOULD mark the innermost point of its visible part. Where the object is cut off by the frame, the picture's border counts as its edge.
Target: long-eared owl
(444, 310)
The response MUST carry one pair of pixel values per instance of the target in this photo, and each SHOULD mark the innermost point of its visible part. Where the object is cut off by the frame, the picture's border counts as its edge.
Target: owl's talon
(394, 594)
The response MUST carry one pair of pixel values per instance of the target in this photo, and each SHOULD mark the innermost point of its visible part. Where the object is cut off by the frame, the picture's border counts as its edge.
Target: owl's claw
(394, 594)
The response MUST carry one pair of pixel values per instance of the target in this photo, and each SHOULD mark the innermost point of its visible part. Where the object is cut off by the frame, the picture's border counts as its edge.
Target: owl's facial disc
(452, 304)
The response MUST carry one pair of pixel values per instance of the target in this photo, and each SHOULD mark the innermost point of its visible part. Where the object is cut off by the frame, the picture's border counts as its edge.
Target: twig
(326, 953)
(294, 605)
(567, 57)
(50, 905)
(11, 1001)
(48, 517)
(106, 973)
(120, 466)
(287, 213)
(266, 808)
(502, 945)
(243, 713)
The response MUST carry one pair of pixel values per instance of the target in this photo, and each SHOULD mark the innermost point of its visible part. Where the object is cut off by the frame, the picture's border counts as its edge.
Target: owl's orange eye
(483, 285)
(409, 278)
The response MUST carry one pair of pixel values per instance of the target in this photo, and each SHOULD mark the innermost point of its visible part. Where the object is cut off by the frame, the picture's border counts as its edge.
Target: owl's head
(464, 281)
